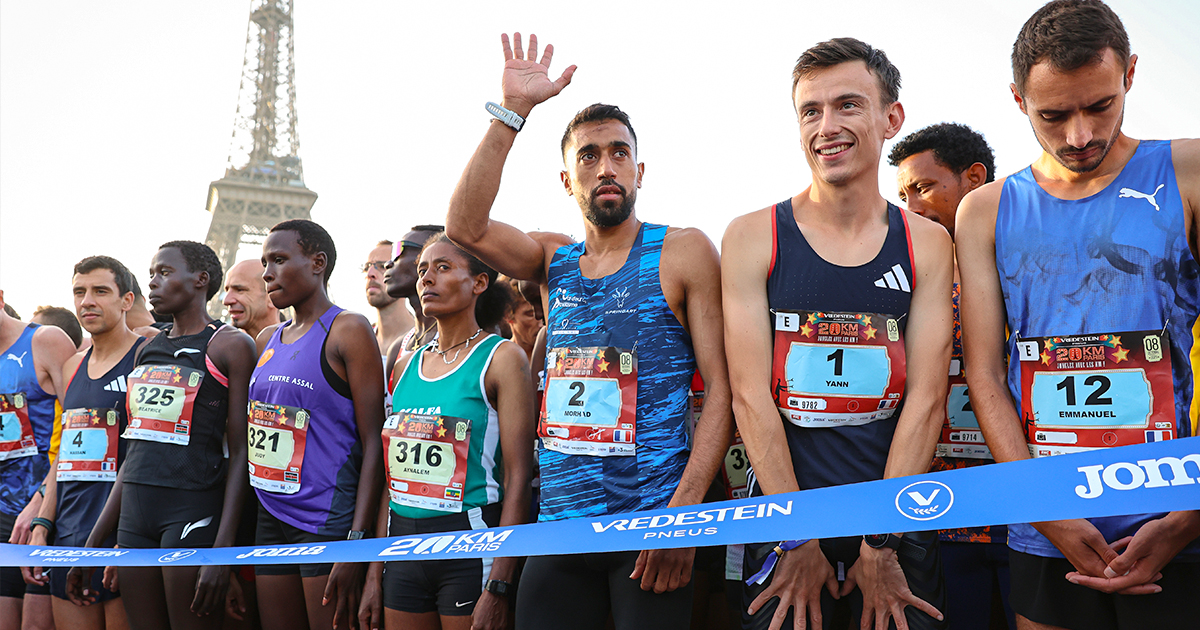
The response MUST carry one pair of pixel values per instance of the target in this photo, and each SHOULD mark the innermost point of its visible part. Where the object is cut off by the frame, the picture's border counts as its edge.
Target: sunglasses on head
(398, 248)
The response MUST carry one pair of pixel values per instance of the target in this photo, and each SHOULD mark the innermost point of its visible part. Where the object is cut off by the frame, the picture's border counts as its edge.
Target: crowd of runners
(511, 377)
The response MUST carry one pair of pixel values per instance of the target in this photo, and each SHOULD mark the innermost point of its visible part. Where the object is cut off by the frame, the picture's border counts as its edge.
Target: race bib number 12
(160, 403)
(276, 437)
(427, 460)
(1086, 392)
(16, 432)
(837, 369)
(590, 405)
(88, 450)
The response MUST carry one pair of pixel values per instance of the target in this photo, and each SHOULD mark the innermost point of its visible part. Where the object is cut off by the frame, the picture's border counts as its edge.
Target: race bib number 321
(276, 437)
(160, 403)
(590, 405)
(1096, 391)
(837, 369)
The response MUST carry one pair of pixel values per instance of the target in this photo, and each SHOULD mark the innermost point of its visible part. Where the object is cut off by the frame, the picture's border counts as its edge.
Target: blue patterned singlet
(626, 309)
(1115, 261)
(22, 475)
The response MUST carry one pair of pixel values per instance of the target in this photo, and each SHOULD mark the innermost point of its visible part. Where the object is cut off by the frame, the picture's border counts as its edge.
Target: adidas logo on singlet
(116, 385)
(894, 279)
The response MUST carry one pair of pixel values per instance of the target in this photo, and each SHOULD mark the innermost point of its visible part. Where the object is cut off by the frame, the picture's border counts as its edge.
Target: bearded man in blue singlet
(1088, 258)
(631, 312)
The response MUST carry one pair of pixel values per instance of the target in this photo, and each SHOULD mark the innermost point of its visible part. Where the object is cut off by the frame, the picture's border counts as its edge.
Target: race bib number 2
(276, 436)
(427, 460)
(88, 449)
(160, 403)
(1096, 391)
(590, 405)
(837, 369)
(16, 431)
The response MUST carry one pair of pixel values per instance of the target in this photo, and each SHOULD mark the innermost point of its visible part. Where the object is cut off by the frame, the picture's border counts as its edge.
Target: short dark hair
(843, 49)
(200, 257)
(121, 275)
(62, 319)
(136, 288)
(311, 238)
(495, 301)
(596, 113)
(954, 146)
(12, 312)
(1069, 34)
(432, 229)
(384, 243)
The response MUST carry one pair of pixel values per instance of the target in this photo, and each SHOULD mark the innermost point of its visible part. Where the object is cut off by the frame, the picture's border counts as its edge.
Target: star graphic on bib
(806, 330)
(1046, 357)
(1120, 355)
(442, 431)
(812, 318)
(866, 320)
(1114, 341)
(602, 365)
(870, 331)
(439, 423)
(178, 377)
(282, 418)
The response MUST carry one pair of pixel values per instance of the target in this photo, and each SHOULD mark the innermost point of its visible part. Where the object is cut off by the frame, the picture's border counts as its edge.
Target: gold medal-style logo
(111, 417)
(1153, 346)
(626, 363)
(460, 431)
(893, 330)
(18, 400)
(301, 419)
(194, 379)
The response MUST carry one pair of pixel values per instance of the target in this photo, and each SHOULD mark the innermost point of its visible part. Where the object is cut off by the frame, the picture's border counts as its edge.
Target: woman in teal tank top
(457, 449)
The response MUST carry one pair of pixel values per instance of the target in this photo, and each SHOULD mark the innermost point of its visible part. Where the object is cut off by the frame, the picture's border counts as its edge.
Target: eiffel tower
(264, 178)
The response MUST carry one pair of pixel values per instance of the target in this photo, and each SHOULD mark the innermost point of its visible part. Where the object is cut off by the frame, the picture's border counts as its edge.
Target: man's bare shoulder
(925, 230)
(686, 242)
(980, 204)
(1185, 154)
(551, 241)
(749, 230)
(52, 339)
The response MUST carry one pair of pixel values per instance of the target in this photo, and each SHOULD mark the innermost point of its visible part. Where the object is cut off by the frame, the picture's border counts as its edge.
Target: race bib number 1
(837, 369)
(160, 403)
(276, 437)
(590, 406)
(88, 449)
(427, 460)
(1086, 392)
(16, 432)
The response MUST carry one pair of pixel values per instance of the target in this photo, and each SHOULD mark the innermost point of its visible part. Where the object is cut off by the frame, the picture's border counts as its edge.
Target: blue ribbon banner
(1145, 478)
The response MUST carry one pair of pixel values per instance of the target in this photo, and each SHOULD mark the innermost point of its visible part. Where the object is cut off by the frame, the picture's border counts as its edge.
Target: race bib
(88, 447)
(961, 436)
(1096, 391)
(590, 405)
(837, 369)
(276, 436)
(427, 460)
(736, 469)
(160, 403)
(16, 431)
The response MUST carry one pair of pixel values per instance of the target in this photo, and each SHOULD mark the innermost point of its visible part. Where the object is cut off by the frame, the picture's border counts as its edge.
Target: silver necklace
(466, 343)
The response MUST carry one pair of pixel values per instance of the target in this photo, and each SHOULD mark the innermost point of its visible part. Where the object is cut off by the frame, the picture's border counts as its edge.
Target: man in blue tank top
(838, 328)
(630, 312)
(1088, 258)
(31, 360)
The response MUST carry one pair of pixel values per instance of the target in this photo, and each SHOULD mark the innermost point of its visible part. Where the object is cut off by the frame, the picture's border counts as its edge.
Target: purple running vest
(297, 375)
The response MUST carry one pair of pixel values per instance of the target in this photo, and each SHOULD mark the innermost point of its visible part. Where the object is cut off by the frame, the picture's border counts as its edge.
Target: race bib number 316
(427, 460)
(160, 403)
(590, 405)
(16, 432)
(88, 450)
(276, 437)
(1096, 391)
(837, 369)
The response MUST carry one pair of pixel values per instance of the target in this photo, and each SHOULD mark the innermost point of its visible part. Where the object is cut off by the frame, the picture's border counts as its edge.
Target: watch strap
(498, 587)
(506, 116)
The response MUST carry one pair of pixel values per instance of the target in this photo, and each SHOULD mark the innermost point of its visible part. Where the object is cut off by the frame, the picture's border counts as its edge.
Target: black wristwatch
(356, 534)
(498, 587)
(880, 541)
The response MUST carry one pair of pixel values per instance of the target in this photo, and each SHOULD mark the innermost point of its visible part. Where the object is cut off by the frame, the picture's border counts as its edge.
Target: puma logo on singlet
(1129, 192)
(19, 359)
(187, 350)
(187, 529)
(116, 385)
(894, 279)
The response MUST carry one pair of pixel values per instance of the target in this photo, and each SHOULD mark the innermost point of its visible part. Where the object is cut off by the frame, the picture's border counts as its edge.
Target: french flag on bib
(627, 436)
(1158, 436)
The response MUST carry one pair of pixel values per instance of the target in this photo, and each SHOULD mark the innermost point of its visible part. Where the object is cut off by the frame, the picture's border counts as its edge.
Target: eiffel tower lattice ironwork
(264, 179)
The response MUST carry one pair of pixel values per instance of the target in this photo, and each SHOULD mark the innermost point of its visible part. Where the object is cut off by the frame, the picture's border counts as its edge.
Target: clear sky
(115, 116)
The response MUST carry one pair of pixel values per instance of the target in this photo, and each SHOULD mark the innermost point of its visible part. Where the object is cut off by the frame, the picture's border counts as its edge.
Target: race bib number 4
(160, 403)
(16, 431)
(276, 437)
(1096, 391)
(427, 460)
(88, 449)
(837, 369)
(590, 404)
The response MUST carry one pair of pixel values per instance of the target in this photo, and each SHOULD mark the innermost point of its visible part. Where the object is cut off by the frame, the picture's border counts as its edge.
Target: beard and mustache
(608, 213)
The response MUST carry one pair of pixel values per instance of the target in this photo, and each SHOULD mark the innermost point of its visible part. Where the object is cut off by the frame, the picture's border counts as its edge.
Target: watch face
(875, 540)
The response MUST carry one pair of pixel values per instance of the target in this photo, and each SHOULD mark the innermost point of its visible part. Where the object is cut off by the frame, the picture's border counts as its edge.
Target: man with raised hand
(838, 332)
(634, 309)
(1089, 252)
(937, 167)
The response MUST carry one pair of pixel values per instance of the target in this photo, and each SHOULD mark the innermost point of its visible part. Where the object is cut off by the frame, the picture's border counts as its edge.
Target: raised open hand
(526, 81)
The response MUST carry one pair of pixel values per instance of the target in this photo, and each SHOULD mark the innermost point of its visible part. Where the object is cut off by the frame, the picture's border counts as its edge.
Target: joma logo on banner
(1147, 473)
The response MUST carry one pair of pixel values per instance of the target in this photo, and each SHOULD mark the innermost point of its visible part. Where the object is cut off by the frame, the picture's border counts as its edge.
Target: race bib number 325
(276, 437)
(590, 404)
(16, 431)
(837, 369)
(427, 460)
(160, 403)
(1096, 391)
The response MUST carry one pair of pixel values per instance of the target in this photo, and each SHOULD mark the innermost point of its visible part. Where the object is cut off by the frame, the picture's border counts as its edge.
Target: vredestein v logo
(1147, 473)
